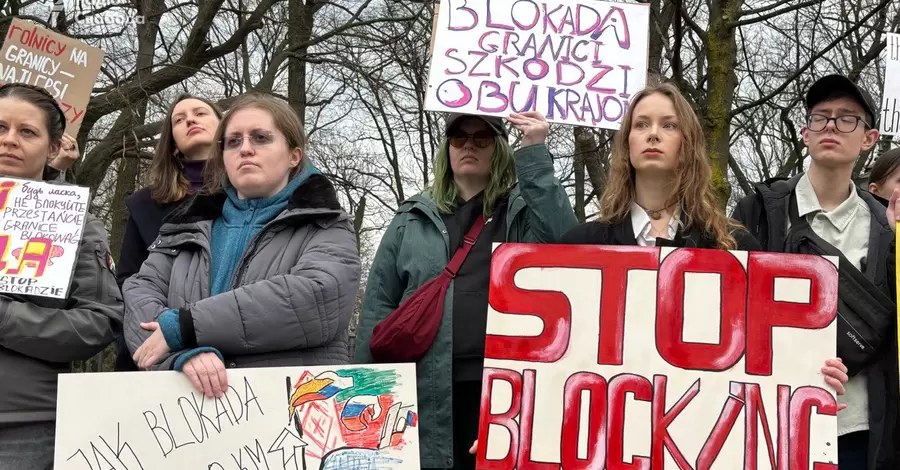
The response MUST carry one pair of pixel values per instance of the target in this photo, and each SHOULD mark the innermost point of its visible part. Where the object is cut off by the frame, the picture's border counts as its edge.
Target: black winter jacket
(765, 214)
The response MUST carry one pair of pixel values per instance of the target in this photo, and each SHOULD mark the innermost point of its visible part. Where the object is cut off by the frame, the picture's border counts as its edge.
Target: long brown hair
(165, 179)
(286, 120)
(691, 186)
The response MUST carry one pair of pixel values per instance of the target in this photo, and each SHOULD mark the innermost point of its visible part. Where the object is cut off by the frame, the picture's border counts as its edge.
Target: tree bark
(129, 168)
(722, 53)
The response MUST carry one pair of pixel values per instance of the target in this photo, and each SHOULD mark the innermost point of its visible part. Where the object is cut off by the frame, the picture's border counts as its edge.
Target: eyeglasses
(258, 138)
(481, 139)
(845, 124)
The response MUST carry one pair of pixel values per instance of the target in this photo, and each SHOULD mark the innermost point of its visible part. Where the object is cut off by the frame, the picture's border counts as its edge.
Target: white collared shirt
(846, 227)
(640, 222)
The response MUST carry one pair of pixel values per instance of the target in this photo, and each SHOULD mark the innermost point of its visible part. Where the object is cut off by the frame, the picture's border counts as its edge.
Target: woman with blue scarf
(260, 269)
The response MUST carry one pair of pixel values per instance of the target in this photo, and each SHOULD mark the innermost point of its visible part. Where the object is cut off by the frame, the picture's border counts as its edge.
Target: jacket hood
(316, 195)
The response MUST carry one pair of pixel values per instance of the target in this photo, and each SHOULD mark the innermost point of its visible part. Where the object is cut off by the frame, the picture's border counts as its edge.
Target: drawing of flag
(412, 419)
(359, 412)
(323, 387)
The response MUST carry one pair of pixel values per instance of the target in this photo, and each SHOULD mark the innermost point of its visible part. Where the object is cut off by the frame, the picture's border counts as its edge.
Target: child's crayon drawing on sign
(286, 418)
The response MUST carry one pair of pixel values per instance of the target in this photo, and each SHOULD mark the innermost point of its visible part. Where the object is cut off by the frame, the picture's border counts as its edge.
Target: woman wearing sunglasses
(475, 172)
(258, 270)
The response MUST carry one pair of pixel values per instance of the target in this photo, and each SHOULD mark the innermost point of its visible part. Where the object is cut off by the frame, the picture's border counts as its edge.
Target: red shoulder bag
(408, 332)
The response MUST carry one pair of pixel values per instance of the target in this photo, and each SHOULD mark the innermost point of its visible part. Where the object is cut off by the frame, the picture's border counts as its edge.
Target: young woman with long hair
(185, 143)
(659, 184)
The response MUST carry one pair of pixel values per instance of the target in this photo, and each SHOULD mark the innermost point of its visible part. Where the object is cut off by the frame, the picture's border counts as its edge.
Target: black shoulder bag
(865, 314)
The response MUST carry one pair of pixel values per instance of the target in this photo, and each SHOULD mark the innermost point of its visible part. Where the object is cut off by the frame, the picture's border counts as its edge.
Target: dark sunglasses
(481, 139)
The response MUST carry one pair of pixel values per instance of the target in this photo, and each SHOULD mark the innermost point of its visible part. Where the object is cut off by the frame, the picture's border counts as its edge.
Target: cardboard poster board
(41, 226)
(890, 99)
(633, 357)
(328, 418)
(65, 67)
(575, 62)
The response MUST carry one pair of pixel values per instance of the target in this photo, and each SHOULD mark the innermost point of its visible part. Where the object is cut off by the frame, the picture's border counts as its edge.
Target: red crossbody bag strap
(463, 251)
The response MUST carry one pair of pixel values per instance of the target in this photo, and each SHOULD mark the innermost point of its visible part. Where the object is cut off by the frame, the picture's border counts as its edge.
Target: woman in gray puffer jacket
(260, 269)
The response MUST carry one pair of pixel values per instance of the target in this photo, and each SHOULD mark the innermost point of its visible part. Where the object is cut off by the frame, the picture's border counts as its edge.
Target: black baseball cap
(826, 86)
(493, 122)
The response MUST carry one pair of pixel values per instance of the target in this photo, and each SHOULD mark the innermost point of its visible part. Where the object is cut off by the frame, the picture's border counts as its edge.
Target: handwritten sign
(40, 230)
(65, 67)
(328, 418)
(615, 357)
(576, 63)
(890, 99)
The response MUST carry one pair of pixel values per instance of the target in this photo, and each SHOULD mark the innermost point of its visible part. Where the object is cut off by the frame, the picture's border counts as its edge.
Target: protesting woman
(282, 282)
(40, 336)
(473, 202)
(659, 190)
(186, 140)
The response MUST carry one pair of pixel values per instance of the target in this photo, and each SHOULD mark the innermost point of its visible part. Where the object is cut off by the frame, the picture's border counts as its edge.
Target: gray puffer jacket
(293, 290)
(40, 336)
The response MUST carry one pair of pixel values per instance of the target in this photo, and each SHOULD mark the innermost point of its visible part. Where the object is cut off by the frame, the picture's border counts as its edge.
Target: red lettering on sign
(765, 313)
(505, 419)
(619, 386)
(749, 315)
(595, 385)
(553, 307)
(670, 310)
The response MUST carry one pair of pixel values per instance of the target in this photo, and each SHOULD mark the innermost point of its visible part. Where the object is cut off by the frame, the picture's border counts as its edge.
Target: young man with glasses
(841, 124)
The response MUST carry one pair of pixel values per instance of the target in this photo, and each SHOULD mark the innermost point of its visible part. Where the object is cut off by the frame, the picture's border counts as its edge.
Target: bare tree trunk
(721, 53)
(300, 27)
(587, 153)
(129, 168)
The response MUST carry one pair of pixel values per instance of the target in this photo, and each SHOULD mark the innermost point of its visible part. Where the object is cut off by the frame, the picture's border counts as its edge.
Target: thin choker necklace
(654, 214)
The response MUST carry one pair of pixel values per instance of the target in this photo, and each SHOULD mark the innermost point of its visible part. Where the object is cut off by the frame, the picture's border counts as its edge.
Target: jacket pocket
(105, 275)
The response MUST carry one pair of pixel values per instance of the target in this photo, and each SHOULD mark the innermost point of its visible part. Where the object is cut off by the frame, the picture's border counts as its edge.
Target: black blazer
(144, 221)
(622, 233)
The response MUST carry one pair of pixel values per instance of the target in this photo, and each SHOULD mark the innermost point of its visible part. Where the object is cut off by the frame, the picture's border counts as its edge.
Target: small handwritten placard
(65, 67)
(40, 229)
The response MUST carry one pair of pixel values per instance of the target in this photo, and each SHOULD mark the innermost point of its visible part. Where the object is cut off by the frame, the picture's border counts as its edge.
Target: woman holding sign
(473, 202)
(260, 269)
(185, 143)
(659, 190)
(40, 336)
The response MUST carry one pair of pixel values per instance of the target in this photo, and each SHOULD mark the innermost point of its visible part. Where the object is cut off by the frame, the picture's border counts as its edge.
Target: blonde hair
(691, 186)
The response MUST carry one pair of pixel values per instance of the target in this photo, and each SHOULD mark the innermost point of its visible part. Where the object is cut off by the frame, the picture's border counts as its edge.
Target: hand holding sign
(836, 376)
(207, 374)
(68, 154)
(533, 125)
